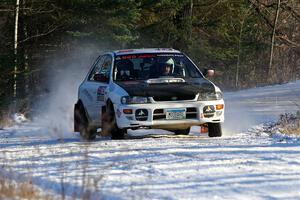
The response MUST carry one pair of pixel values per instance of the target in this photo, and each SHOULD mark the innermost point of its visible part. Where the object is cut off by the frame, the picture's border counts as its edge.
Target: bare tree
(17, 9)
(273, 40)
(191, 18)
(242, 22)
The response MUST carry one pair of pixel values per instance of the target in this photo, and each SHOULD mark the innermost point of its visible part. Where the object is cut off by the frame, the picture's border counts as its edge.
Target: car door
(96, 88)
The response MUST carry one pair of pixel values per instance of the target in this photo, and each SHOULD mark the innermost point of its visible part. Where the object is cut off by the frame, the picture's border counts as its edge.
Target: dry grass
(4, 120)
(292, 131)
(290, 123)
(24, 190)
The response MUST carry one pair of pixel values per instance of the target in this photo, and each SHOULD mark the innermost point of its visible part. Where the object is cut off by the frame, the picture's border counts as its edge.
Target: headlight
(134, 100)
(210, 96)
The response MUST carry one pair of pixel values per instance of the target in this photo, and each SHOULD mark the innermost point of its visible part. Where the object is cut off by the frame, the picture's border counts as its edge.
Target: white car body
(169, 112)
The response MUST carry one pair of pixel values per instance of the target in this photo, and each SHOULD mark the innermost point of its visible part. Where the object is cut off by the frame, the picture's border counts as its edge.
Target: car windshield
(151, 66)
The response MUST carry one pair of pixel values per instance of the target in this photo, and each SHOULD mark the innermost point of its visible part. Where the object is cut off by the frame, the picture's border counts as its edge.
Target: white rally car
(147, 88)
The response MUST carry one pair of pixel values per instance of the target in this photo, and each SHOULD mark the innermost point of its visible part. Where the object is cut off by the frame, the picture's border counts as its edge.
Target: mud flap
(204, 129)
(105, 122)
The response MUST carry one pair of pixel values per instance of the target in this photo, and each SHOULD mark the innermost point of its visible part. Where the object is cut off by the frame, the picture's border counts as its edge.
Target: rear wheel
(182, 131)
(81, 124)
(76, 118)
(214, 130)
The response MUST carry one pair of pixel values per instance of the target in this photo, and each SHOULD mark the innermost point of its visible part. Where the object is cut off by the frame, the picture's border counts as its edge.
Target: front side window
(102, 67)
(148, 66)
(105, 69)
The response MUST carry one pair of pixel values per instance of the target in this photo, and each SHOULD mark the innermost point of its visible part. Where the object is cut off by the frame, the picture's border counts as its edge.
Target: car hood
(167, 89)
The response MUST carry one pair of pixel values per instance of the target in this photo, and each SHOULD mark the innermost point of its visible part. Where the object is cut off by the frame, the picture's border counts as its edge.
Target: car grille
(174, 98)
(160, 114)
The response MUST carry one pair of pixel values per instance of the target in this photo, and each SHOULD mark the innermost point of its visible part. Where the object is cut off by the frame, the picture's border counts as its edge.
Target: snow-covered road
(243, 164)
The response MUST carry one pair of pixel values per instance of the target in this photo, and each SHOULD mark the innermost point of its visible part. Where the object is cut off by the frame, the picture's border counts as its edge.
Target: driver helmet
(168, 66)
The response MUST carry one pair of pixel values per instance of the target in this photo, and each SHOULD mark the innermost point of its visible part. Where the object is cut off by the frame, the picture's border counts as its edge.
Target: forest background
(248, 42)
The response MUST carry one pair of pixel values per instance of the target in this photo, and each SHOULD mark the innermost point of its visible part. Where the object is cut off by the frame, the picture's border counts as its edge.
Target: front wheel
(109, 125)
(214, 129)
(182, 131)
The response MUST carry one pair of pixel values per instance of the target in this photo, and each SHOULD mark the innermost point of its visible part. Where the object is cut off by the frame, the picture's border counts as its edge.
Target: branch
(271, 4)
(206, 3)
(33, 11)
(280, 35)
(284, 6)
(286, 40)
(39, 35)
(6, 10)
(257, 9)
(43, 9)
(294, 13)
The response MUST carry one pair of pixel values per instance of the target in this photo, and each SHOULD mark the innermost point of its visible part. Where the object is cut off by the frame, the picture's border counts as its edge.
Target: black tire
(109, 125)
(76, 118)
(214, 130)
(81, 124)
(117, 133)
(182, 131)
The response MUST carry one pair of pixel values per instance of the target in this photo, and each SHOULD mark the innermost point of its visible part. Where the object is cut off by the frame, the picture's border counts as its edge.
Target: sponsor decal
(146, 56)
(134, 56)
(100, 93)
(128, 57)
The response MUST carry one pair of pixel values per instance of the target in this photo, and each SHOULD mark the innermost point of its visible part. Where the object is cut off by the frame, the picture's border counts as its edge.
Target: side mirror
(208, 72)
(100, 78)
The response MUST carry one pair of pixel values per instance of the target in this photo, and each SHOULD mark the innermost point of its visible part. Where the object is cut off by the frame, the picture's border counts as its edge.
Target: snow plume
(237, 119)
(247, 108)
(62, 77)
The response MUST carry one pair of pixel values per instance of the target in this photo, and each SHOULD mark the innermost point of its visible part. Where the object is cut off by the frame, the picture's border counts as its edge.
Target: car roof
(147, 50)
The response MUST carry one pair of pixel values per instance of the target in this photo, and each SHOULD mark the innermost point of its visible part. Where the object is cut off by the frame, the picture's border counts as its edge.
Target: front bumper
(155, 114)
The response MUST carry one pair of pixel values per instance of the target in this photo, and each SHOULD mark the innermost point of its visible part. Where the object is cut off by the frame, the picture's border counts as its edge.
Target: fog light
(127, 111)
(219, 113)
(219, 106)
(129, 117)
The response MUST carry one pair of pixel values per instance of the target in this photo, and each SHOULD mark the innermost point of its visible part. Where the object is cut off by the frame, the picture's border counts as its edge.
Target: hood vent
(174, 98)
(165, 80)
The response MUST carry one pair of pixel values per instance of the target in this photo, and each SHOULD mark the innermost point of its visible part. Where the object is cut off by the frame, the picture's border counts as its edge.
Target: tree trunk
(17, 9)
(246, 14)
(25, 56)
(191, 18)
(270, 72)
(239, 55)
